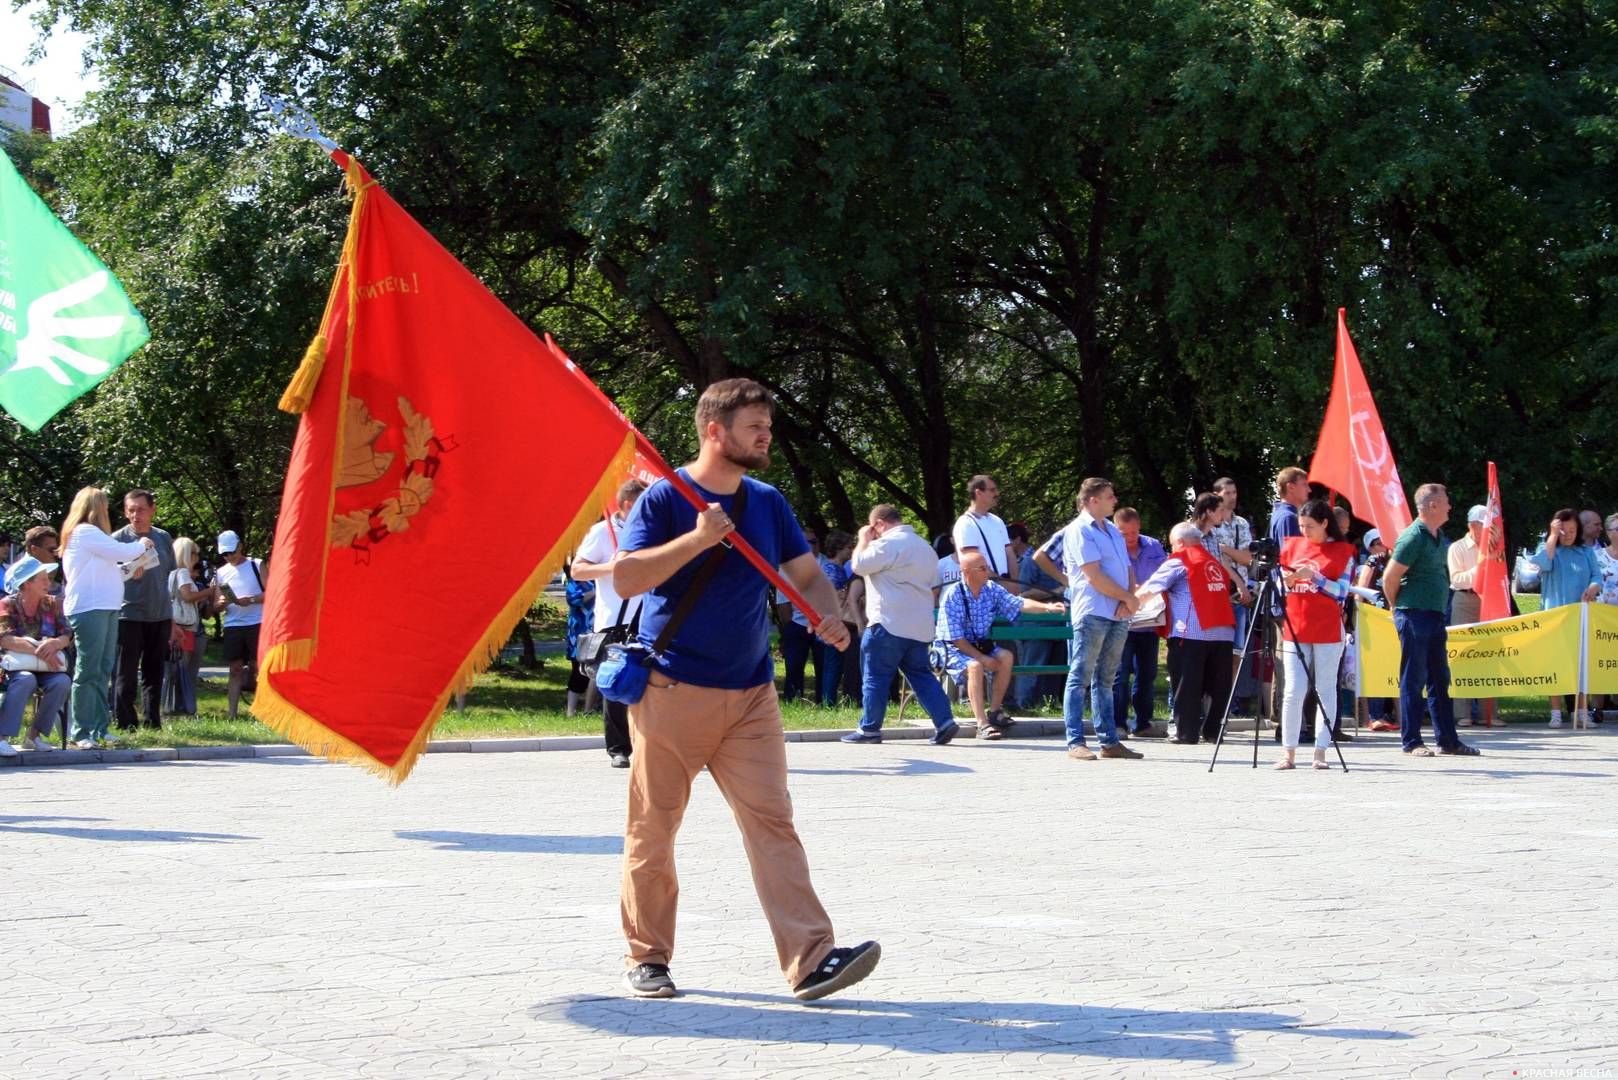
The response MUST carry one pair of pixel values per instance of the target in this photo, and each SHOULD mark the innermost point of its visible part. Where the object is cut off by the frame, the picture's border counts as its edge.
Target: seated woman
(1316, 570)
(34, 633)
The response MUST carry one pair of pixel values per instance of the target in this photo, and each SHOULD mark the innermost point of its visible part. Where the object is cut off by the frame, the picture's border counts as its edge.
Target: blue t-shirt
(725, 640)
(1284, 522)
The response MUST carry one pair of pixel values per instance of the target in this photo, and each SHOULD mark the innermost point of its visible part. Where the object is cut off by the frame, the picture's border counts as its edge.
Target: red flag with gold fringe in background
(445, 463)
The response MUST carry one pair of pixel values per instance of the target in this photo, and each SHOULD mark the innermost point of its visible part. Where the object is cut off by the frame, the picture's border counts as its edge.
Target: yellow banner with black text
(1530, 655)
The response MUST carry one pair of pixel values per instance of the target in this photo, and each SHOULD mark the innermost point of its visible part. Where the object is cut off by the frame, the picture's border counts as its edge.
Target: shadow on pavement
(939, 1027)
(518, 842)
(907, 767)
(12, 824)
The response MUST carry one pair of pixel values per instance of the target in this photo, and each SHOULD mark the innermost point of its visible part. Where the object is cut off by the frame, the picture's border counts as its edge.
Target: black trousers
(615, 724)
(1197, 668)
(143, 649)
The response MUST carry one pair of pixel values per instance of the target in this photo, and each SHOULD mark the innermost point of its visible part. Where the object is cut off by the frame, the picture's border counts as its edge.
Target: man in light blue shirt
(1096, 561)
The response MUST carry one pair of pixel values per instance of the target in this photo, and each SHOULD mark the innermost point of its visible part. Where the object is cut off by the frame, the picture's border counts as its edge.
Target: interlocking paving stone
(281, 917)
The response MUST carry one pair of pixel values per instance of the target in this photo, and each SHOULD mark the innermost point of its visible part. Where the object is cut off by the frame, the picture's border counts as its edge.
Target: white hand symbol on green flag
(65, 322)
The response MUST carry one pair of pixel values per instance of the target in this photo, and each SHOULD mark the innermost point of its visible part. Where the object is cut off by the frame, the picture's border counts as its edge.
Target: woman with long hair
(94, 595)
(1316, 569)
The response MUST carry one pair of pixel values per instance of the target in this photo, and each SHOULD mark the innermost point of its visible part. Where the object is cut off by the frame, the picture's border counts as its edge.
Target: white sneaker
(7, 750)
(109, 739)
(1556, 719)
(38, 742)
(85, 744)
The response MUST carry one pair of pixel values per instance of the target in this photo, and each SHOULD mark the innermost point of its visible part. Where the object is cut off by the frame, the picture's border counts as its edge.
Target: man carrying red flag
(711, 697)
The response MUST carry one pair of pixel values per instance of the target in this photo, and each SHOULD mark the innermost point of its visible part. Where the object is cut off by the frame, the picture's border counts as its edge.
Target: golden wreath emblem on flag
(363, 464)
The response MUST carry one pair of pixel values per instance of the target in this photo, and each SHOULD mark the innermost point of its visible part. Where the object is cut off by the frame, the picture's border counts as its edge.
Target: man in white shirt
(242, 581)
(981, 530)
(900, 572)
(593, 562)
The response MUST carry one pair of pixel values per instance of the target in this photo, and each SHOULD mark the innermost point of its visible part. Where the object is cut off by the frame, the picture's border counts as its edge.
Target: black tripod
(1272, 595)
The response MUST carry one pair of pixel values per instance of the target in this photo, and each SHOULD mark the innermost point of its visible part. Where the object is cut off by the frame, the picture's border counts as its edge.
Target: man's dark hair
(978, 483)
(1017, 531)
(1125, 513)
(39, 534)
(721, 401)
(630, 489)
(1206, 503)
(836, 541)
(140, 493)
(943, 545)
(886, 512)
(1092, 487)
(1222, 483)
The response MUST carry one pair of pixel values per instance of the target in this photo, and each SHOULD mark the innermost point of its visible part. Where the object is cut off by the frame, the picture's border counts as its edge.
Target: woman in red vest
(1315, 569)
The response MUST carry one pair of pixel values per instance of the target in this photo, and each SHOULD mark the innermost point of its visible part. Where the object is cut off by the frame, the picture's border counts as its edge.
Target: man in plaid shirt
(966, 613)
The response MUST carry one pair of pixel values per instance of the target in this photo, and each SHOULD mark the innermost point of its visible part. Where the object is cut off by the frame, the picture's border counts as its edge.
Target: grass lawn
(512, 701)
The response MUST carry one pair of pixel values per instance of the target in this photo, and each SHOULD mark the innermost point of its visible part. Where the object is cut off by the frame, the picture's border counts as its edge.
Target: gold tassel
(301, 390)
(299, 727)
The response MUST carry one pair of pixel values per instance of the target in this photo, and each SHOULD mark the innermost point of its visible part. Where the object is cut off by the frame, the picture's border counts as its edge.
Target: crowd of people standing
(923, 612)
(106, 628)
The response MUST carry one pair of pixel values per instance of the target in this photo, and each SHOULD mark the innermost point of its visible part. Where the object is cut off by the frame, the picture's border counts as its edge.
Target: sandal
(1322, 765)
(1285, 764)
(1420, 751)
(989, 731)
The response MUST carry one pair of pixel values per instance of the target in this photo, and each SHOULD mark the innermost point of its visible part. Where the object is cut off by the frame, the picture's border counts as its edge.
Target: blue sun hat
(23, 569)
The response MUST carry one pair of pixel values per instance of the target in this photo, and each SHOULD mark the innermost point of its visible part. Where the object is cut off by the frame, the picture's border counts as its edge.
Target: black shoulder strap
(994, 564)
(699, 583)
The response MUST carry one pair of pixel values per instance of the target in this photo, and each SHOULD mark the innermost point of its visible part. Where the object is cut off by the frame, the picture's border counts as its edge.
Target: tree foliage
(1040, 239)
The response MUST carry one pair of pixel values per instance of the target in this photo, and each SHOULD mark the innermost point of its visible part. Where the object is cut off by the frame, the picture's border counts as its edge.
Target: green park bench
(1029, 627)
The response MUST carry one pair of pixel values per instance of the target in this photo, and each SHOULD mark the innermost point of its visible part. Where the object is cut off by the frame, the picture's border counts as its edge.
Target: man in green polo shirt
(1417, 586)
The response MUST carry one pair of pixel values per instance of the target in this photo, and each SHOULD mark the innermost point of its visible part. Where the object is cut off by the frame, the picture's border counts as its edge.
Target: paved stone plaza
(1039, 917)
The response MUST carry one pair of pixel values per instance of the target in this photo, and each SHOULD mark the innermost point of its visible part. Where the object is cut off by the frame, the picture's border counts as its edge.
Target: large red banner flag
(445, 463)
(1491, 581)
(1353, 456)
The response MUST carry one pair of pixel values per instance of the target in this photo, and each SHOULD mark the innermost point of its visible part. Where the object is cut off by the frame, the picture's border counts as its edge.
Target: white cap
(1479, 514)
(228, 542)
(1371, 537)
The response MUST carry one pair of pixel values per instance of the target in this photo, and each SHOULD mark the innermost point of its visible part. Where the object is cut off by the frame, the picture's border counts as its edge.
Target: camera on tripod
(1266, 553)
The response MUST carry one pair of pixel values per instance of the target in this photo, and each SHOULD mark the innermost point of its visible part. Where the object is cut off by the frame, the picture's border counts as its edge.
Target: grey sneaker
(649, 981)
(841, 969)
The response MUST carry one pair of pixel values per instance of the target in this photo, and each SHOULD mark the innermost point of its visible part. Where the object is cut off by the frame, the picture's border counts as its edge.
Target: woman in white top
(94, 595)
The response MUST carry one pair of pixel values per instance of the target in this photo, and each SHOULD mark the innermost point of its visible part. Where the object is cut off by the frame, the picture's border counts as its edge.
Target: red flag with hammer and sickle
(1353, 456)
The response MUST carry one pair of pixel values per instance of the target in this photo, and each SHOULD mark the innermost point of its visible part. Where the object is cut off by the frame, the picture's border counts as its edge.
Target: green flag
(65, 322)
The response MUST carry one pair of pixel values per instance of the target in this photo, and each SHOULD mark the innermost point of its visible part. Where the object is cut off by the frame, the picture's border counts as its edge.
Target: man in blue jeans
(900, 571)
(1417, 587)
(1096, 561)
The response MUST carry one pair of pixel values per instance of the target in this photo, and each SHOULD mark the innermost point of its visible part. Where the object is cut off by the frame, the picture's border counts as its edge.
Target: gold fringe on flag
(301, 728)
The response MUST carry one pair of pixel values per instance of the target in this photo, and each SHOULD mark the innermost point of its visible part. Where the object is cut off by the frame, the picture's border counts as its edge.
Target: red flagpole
(688, 493)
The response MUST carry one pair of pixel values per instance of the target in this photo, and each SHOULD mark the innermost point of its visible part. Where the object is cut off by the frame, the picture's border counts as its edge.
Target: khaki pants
(677, 729)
